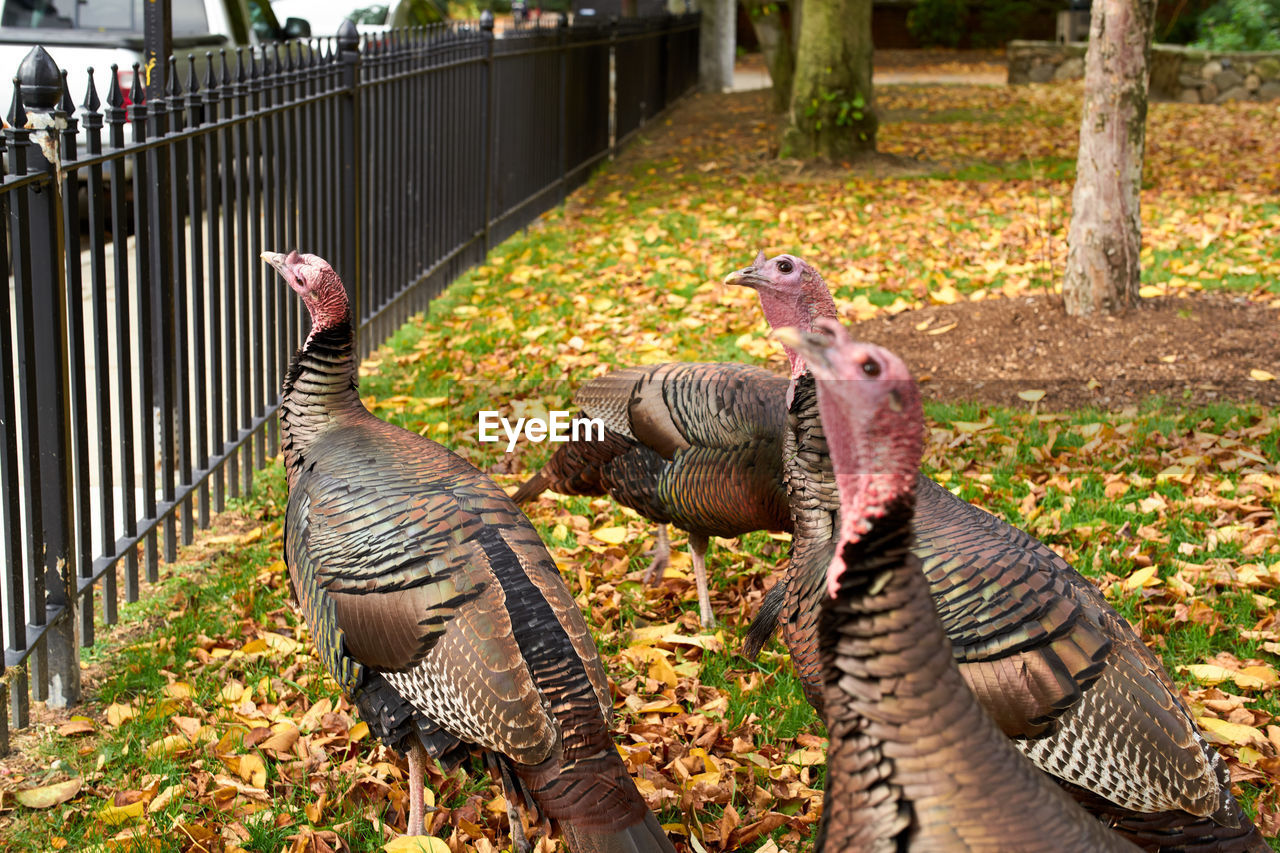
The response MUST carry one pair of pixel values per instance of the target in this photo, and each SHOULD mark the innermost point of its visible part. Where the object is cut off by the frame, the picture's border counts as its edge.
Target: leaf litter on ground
(211, 725)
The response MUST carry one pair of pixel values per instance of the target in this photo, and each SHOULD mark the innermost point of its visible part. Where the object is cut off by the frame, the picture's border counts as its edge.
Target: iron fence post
(42, 86)
(490, 99)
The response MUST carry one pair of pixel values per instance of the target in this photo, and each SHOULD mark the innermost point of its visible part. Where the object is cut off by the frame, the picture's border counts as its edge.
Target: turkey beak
(811, 347)
(278, 261)
(747, 276)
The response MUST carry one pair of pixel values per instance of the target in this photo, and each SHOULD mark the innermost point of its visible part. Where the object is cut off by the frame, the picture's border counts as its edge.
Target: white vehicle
(83, 34)
(369, 16)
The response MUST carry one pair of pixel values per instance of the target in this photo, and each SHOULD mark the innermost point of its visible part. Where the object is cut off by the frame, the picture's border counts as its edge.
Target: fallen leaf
(1261, 375)
(1032, 395)
(48, 796)
(612, 535)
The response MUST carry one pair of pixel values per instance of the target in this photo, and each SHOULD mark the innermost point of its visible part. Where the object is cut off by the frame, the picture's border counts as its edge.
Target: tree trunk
(717, 40)
(772, 23)
(1104, 243)
(832, 109)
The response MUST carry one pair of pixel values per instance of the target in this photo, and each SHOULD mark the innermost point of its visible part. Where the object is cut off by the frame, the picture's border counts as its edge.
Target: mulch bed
(1193, 350)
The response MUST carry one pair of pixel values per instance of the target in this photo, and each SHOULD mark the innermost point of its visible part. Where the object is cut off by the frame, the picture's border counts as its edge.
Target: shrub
(1240, 25)
(938, 22)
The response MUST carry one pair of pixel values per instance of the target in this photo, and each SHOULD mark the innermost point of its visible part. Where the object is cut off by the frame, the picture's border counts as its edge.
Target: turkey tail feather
(765, 622)
(645, 836)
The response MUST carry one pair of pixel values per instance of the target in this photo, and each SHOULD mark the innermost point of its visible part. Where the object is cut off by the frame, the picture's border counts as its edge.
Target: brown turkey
(434, 604)
(1051, 662)
(690, 444)
(914, 763)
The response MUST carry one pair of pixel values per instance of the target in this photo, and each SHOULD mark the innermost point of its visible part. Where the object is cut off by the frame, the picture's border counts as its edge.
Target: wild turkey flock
(978, 693)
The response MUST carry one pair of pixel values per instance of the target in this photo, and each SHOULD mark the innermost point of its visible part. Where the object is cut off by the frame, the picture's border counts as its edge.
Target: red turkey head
(873, 420)
(315, 281)
(791, 293)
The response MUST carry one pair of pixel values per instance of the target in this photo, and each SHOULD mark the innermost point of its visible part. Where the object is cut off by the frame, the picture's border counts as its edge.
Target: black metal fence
(143, 343)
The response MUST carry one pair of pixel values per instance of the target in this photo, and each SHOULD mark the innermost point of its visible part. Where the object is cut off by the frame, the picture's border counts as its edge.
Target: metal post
(349, 156)
(613, 88)
(562, 41)
(490, 110)
(157, 45)
(42, 86)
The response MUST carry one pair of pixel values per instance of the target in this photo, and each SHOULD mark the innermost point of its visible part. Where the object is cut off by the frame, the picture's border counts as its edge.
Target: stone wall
(1177, 73)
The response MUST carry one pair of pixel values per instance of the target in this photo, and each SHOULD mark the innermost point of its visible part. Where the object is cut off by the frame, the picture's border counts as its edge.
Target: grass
(213, 664)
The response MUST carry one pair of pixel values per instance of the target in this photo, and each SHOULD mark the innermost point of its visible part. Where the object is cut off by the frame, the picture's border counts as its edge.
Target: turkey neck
(320, 388)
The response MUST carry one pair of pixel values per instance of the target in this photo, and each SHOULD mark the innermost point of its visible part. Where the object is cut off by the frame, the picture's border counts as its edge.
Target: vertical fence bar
(490, 123)
(196, 187)
(163, 284)
(116, 116)
(78, 413)
(350, 156)
(176, 371)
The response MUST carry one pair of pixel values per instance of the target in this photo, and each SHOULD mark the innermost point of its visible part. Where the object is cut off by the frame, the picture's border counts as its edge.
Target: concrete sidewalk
(749, 77)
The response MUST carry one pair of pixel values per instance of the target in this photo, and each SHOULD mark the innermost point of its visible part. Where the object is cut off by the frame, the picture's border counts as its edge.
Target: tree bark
(718, 36)
(832, 108)
(1104, 243)
(772, 24)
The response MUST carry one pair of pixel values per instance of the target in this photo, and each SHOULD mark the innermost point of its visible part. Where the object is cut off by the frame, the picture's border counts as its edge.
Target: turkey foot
(698, 551)
(417, 769)
(661, 556)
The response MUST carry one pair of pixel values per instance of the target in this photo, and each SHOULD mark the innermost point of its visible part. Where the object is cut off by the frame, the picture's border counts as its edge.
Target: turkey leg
(698, 551)
(661, 556)
(417, 770)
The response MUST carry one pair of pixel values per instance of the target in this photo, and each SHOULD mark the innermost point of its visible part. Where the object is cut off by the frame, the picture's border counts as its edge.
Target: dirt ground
(1195, 350)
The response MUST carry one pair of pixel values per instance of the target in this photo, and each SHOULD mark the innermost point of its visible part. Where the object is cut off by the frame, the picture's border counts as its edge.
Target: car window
(189, 16)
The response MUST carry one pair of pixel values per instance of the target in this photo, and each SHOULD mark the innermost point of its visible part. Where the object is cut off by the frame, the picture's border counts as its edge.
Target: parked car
(83, 34)
(326, 16)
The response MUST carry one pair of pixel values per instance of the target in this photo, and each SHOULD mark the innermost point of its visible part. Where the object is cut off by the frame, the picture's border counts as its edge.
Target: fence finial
(348, 36)
(137, 93)
(66, 104)
(17, 112)
(41, 80)
(115, 97)
(91, 102)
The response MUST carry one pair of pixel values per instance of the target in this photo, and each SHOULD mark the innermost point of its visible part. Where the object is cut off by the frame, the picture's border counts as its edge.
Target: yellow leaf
(652, 233)
(118, 713)
(942, 330)
(1222, 731)
(168, 746)
(1168, 359)
(660, 670)
(1031, 395)
(416, 844)
(178, 690)
(255, 646)
(1261, 375)
(115, 815)
(612, 535)
(1140, 578)
(252, 770)
(359, 732)
(807, 757)
(284, 736)
(1149, 291)
(48, 796)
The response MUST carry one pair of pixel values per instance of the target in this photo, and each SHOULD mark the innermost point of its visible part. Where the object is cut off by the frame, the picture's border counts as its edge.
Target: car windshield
(189, 17)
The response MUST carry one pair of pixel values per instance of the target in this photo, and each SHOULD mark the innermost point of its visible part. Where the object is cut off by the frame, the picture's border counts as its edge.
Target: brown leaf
(48, 796)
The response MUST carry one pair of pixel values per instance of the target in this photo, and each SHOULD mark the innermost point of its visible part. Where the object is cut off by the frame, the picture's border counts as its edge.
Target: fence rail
(143, 345)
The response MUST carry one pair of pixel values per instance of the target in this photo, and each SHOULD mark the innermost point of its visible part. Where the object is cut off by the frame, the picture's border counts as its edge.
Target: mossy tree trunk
(772, 22)
(832, 109)
(1104, 243)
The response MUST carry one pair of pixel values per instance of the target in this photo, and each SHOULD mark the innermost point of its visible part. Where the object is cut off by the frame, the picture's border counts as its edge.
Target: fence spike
(240, 63)
(226, 72)
(40, 79)
(17, 112)
(91, 103)
(115, 97)
(136, 93)
(193, 86)
(172, 87)
(66, 104)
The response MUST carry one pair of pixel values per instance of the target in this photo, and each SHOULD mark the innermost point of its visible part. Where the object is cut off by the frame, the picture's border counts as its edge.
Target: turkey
(1049, 660)
(690, 444)
(434, 604)
(914, 763)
